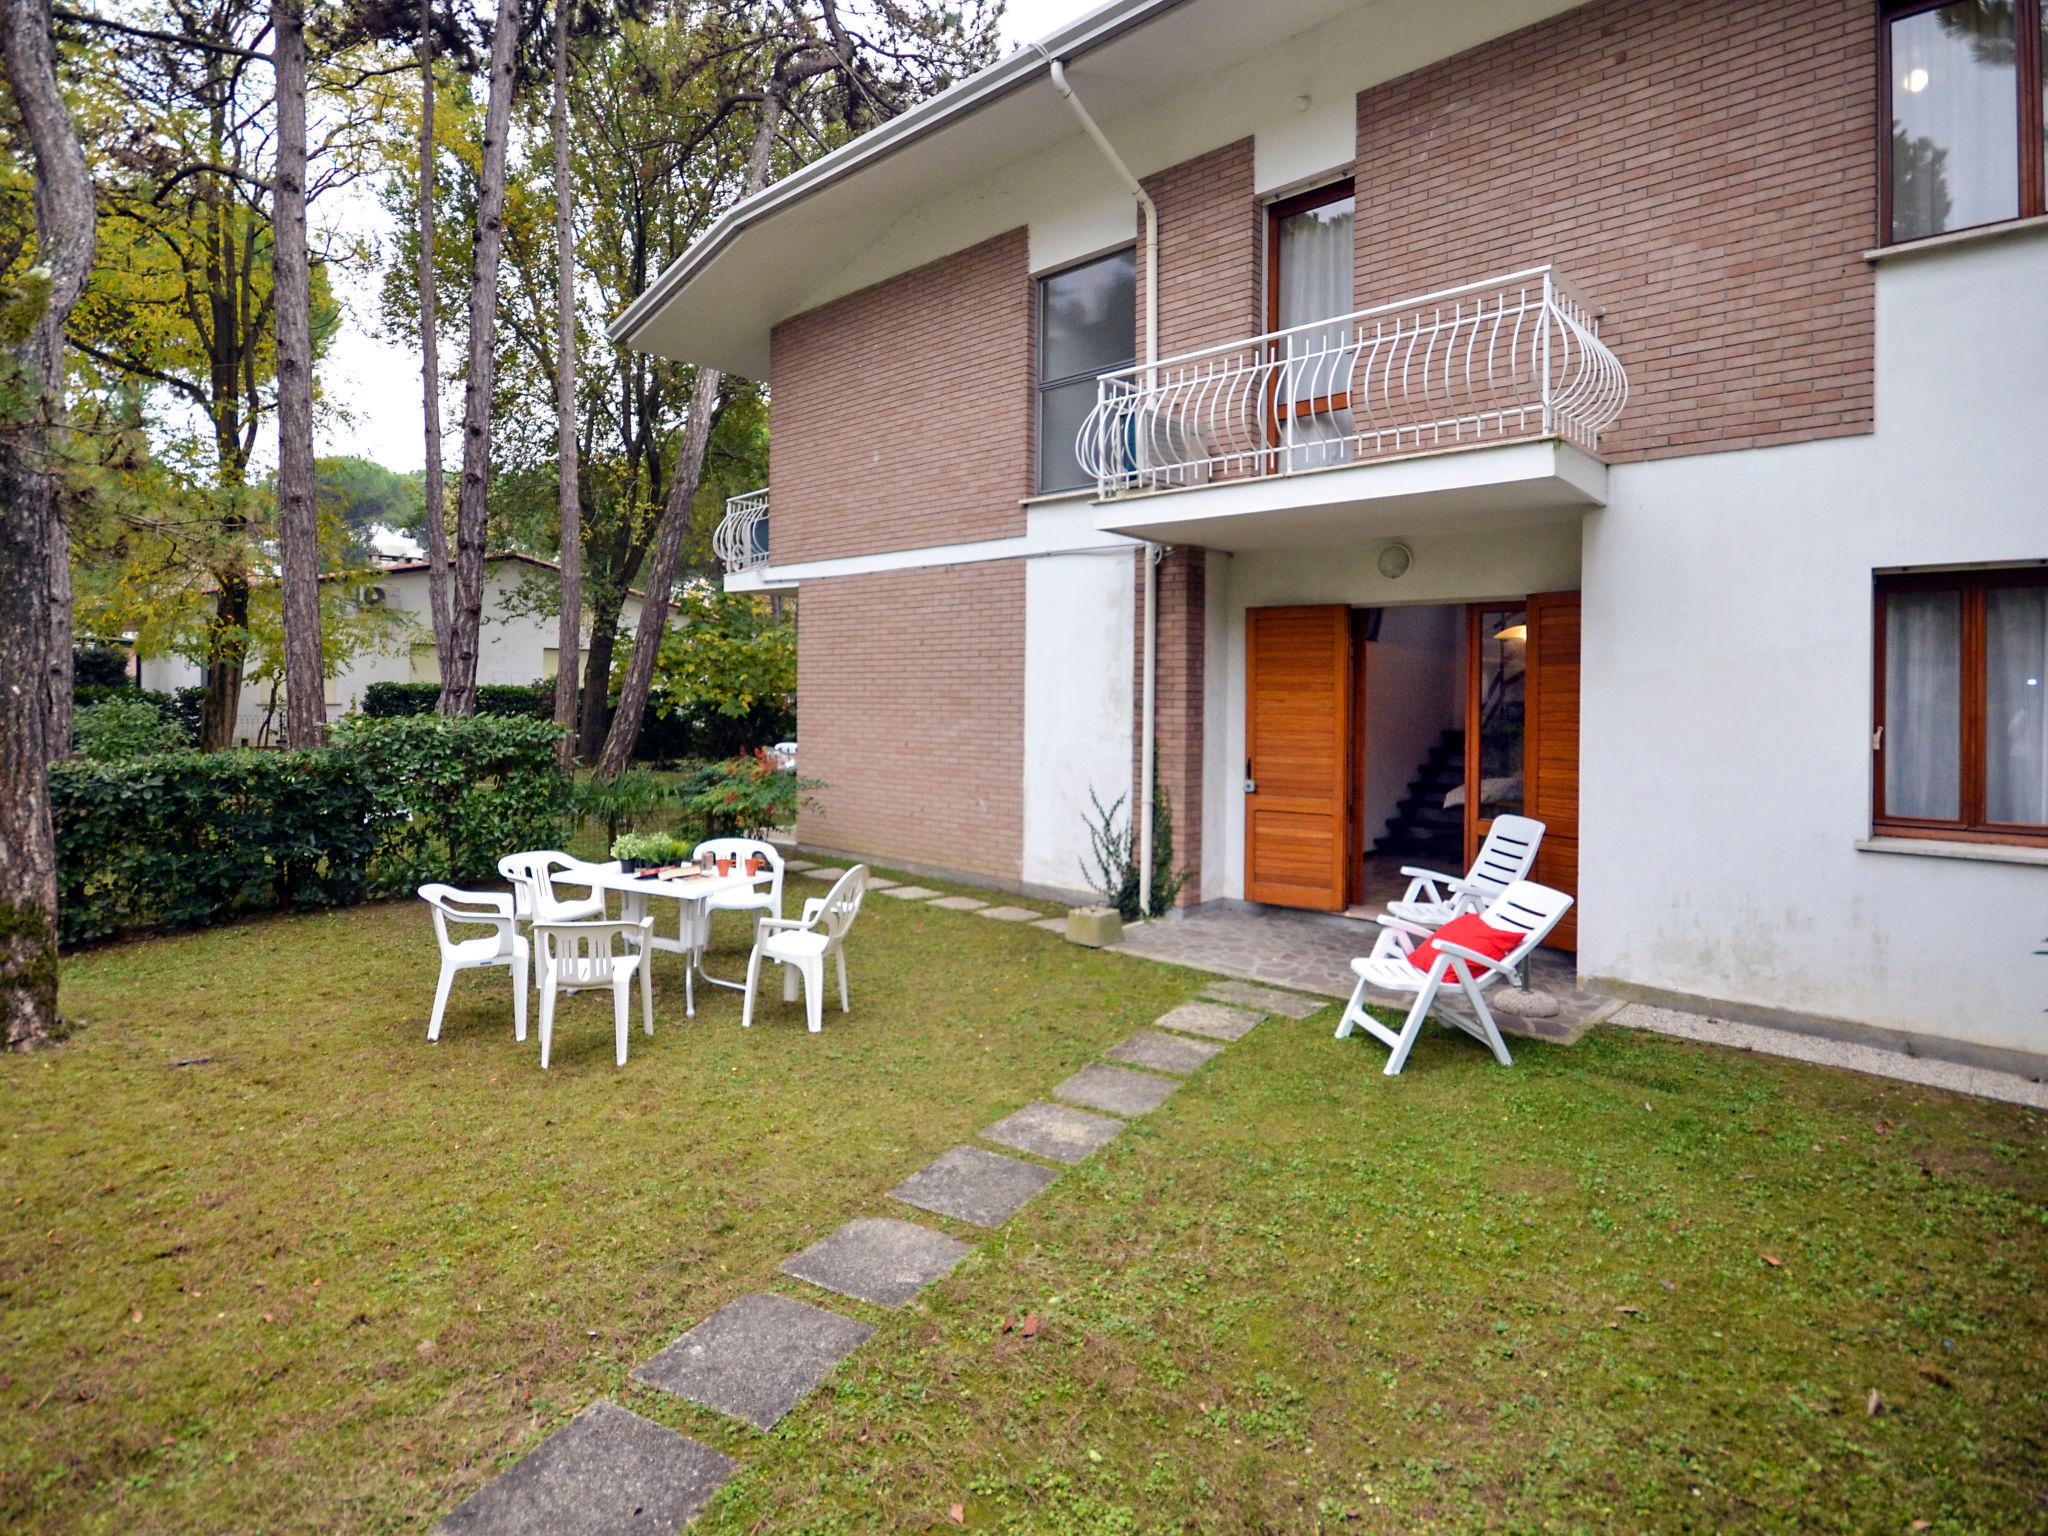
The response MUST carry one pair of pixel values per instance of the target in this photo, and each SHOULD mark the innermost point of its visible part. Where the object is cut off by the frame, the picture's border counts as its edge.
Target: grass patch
(327, 1277)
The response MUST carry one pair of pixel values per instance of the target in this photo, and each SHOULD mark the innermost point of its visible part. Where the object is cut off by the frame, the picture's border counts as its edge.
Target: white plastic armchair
(534, 897)
(802, 945)
(505, 945)
(757, 898)
(576, 956)
(1524, 908)
(1507, 855)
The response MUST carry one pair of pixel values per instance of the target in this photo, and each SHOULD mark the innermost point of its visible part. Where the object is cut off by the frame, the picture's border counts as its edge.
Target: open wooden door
(1297, 755)
(1522, 733)
(1551, 770)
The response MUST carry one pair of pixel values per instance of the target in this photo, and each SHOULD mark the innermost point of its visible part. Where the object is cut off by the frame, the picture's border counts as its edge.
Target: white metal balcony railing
(741, 539)
(1515, 357)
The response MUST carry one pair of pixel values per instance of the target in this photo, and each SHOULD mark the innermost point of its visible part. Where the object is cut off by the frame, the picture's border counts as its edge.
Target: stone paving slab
(821, 872)
(1011, 914)
(606, 1472)
(1116, 1089)
(1055, 1131)
(1056, 925)
(755, 1358)
(909, 892)
(1214, 1020)
(959, 903)
(984, 1188)
(1165, 1053)
(878, 1259)
(1264, 999)
(796, 866)
(877, 883)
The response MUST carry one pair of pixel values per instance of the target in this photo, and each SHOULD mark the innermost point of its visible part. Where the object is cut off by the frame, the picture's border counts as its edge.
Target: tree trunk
(227, 652)
(28, 520)
(58, 700)
(675, 514)
(472, 515)
(597, 677)
(305, 675)
(430, 355)
(569, 631)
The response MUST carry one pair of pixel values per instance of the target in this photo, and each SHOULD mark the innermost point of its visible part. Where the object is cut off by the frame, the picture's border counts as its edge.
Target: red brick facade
(893, 425)
(1705, 170)
(1210, 235)
(1178, 717)
(910, 689)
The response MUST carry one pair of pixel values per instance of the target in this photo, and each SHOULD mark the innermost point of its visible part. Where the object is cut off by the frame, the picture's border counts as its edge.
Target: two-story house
(1387, 414)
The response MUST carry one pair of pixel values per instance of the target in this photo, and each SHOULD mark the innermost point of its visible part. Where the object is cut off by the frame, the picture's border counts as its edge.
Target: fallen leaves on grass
(957, 1514)
(1872, 1407)
(1773, 1260)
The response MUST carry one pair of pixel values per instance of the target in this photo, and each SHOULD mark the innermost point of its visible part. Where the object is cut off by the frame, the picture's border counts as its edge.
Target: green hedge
(184, 840)
(181, 707)
(395, 701)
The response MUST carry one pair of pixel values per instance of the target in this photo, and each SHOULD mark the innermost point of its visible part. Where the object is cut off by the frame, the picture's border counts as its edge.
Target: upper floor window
(1966, 138)
(1087, 325)
(1961, 744)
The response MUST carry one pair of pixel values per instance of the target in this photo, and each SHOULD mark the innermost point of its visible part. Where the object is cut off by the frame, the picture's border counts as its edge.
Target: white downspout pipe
(1148, 716)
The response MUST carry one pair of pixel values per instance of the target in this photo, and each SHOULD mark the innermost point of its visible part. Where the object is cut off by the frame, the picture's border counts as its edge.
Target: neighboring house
(1630, 413)
(513, 645)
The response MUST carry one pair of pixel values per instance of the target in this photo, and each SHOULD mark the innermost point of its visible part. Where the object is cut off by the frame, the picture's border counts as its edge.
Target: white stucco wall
(1727, 685)
(1078, 626)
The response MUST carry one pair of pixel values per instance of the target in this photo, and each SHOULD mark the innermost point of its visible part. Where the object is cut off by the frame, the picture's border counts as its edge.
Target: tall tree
(472, 513)
(31, 407)
(305, 701)
(568, 495)
(430, 358)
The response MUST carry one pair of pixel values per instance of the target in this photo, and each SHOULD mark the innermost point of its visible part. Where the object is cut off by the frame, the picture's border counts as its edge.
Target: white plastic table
(693, 924)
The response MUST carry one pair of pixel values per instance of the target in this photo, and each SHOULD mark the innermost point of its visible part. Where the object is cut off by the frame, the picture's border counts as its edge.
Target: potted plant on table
(636, 851)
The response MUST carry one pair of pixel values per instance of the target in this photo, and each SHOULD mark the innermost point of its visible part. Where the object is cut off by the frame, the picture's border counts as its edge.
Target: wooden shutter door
(1551, 748)
(1297, 734)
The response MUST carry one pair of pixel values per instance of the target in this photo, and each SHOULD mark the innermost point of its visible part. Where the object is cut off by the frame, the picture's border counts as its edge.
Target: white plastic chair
(506, 946)
(1507, 855)
(751, 899)
(1524, 908)
(802, 945)
(534, 899)
(576, 956)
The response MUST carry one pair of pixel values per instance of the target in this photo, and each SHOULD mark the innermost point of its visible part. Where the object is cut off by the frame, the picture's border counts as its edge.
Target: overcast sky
(374, 383)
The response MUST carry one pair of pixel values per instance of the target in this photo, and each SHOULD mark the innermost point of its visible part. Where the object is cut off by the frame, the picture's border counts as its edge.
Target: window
(1965, 137)
(1961, 745)
(1087, 325)
(1309, 257)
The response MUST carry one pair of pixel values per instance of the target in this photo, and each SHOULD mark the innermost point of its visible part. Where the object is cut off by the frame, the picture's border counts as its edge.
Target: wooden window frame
(1277, 213)
(1042, 385)
(1972, 825)
(2033, 199)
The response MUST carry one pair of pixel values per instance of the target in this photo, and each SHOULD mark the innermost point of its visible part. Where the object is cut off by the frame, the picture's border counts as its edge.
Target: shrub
(393, 701)
(745, 796)
(1113, 845)
(634, 797)
(454, 794)
(184, 839)
(125, 724)
(181, 711)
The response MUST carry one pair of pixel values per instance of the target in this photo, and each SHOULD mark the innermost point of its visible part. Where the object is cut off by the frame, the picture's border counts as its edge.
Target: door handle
(1251, 786)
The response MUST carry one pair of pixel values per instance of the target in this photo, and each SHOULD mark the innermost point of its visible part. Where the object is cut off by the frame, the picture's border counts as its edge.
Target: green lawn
(324, 1276)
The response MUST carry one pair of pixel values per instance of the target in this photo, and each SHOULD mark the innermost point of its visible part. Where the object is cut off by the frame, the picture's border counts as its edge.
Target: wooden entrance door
(1522, 732)
(1297, 763)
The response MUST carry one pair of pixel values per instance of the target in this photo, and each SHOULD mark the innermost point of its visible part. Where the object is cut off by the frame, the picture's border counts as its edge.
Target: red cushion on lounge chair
(1471, 932)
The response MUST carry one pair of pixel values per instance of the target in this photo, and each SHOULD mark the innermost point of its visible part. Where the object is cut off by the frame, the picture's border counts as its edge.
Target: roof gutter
(1017, 72)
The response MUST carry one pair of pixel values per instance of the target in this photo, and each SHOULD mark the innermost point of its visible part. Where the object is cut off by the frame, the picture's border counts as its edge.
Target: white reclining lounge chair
(1506, 856)
(1525, 910)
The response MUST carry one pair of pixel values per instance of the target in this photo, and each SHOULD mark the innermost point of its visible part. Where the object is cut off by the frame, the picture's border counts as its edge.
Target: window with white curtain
(1311, 252)
(1962, 705)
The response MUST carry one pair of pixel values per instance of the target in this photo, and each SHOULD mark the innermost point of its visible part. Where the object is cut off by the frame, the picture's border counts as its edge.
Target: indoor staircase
(1421, 828)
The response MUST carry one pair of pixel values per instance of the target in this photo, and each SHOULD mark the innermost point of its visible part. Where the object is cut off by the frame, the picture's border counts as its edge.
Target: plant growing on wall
(1113, 851)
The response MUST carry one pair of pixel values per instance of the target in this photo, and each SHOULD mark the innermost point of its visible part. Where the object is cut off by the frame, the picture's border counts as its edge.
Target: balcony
(1472, 407)
(741, 539)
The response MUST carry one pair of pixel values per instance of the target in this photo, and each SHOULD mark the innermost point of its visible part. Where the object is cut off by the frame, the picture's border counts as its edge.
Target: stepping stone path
(1053, 1130)
(959, 903)
(909, 892)
(606, 1471)
(1056, 925)
(1009, 914)
(755, 1358)
(609, 1470)
(1265, 999)
(1116, 1089)
(797, 866)
(1165, 1053)
(1211, 1019)
(877, 883)
(971, 1185)
(878, 1259)
(820, 872)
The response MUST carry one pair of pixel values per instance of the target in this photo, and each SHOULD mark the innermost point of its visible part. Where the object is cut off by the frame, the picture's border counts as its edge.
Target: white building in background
(514, 646)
